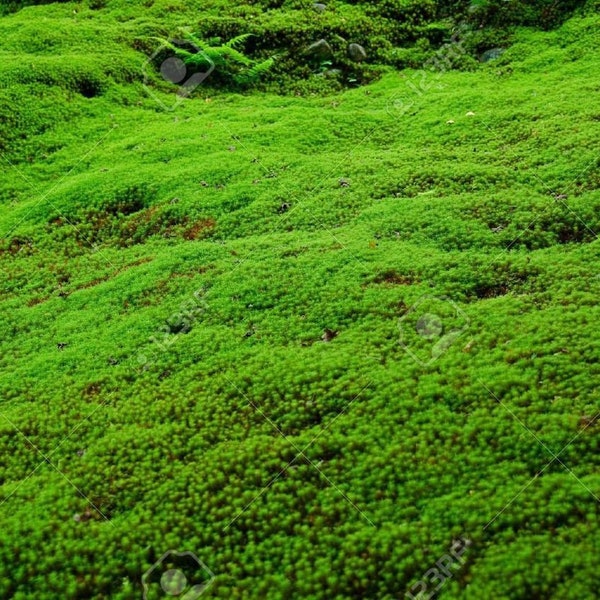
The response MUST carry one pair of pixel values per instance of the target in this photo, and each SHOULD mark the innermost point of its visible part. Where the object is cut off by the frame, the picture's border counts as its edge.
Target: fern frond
(234, 64)
(181, 53)
(233, 54)
(257, 71)
(238, 41)
(196, 40)
(205, 57)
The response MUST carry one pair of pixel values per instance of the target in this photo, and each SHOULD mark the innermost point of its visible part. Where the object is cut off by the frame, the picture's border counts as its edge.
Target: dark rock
(357, 53)
(320, 50)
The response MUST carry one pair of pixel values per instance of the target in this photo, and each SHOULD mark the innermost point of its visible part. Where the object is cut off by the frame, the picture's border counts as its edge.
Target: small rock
(450, 122)
(491, 54)
(284, 208)
(344, 182)
(204, 184)
(357, 53)
(470, 114)
(232, 148)
(320, 50)
(319, 7)
(86, 515)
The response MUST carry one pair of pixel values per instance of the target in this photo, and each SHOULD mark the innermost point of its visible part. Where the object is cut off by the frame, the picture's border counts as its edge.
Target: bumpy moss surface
(313, 337)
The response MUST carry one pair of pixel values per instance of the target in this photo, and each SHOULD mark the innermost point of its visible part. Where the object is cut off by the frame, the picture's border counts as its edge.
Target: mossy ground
(189, 262)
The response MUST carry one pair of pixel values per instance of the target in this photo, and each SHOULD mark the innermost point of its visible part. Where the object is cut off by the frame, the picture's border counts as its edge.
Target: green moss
(203, 324)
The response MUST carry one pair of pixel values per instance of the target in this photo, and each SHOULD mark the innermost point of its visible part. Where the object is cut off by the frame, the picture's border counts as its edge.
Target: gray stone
(321, 50)
(319, 7)
(356, 52)
(491, 54)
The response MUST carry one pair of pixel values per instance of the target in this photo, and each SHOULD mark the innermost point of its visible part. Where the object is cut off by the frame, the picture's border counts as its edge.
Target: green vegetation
(231, 67)
(216, 329)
